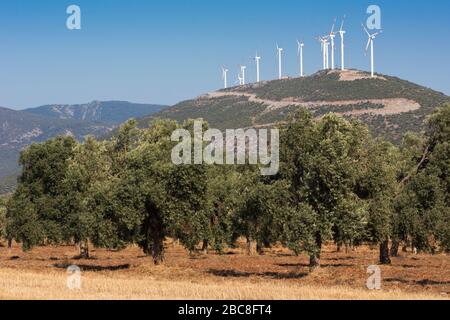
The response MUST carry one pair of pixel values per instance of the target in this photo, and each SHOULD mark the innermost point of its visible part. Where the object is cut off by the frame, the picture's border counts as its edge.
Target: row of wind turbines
(325, 42)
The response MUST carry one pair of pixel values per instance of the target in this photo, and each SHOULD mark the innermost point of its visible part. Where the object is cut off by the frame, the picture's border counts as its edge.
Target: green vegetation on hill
(221, 113)
(237, 111)
(326, 86)
(279, 115)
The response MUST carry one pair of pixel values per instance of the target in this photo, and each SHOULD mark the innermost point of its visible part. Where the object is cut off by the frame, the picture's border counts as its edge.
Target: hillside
(19, 129)
(389, 105)
(111, 112)
(8, 184)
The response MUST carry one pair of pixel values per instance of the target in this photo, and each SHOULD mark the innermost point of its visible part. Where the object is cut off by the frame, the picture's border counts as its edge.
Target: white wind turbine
(225, 77)
(257, 61)
(332, 36)
(370, 43)
(239, 80)
(327, 55)
(342, 33)
(300, 54)
(242, 76)
(279, 54)
(324, 48)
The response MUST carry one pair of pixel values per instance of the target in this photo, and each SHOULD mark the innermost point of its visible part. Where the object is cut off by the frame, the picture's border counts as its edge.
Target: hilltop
(389, 105)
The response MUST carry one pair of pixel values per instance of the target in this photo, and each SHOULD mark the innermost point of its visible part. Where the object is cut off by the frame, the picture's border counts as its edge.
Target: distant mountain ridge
(19, 129)
(111, 112)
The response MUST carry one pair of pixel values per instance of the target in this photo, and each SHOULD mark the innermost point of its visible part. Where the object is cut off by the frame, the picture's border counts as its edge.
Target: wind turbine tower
(322, 49)
(279, 53)
(224, 77)
(243, 74)
(332, 36)
(300, 54)
(370, 43)
(257, 61)
(342, 33)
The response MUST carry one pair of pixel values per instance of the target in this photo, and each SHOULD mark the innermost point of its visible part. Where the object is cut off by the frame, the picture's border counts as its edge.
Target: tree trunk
(259, 248)
(10, 243)
(154, 238)
(394, 248)
(158, 251)
(347, 248)
(205, 246)
(339, 247)
(84, 250)
(314, 259)
(405, 248)
(249, 246)
(384, 253)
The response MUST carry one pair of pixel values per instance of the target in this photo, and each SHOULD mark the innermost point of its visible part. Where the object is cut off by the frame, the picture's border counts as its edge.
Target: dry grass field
(128, 274)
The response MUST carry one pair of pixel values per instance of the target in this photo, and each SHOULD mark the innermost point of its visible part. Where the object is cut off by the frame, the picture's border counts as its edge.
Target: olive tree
(322, 161)
(156, 198)
(36, 211)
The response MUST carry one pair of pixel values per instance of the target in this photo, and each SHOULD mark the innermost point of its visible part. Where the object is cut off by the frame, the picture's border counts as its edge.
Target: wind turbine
(324, 48)
(257, 61)
(224, 77)
(370, 43)
(327, 57)
(332, 36)
(239, 79)
(242, 77)
(342, 33)
(300, 54)
(279, 54)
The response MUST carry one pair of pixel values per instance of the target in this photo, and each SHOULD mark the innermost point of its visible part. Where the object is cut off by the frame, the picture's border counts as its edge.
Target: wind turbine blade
(368, 44)
(365, 29)
(342, 24)
(332, 28)
(377, 33)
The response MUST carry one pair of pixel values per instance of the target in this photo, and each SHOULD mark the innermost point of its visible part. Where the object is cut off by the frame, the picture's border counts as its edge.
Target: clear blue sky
(167, 51)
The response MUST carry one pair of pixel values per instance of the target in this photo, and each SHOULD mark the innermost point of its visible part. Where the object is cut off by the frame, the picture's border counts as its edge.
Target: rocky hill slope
(389, 105)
